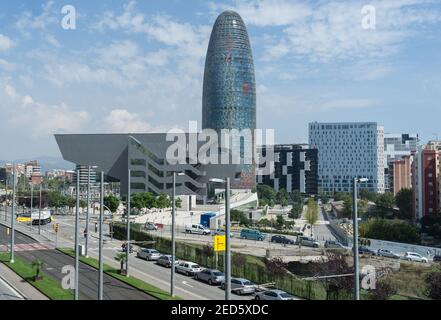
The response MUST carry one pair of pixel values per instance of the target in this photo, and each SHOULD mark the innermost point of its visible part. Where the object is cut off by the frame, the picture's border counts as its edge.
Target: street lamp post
(86, 240)
(39, 210)
(13, 216)
(32, 200)
(77, 253)
(129, 181)
(100, 259)
(355, 239)
(173, 232)
(226, 182)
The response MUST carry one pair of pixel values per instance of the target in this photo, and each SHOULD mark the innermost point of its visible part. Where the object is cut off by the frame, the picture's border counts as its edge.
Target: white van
(197, 229)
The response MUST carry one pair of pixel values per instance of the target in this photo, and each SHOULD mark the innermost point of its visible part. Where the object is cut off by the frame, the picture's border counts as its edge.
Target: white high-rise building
(347, 150)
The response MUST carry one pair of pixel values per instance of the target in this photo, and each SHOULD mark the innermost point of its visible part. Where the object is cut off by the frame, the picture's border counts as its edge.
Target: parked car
(241, 286)
(123, 248)
(252, 234)
(388, 254)
(166, 261)
(282, 239)
(188, 268)
(365, 250)
(308, 242)
(330, 244)
(197, 229)
(148, 254)
(211, 276)
(221, 232)
(437, 258)
(273, 295)
(413, 256)
(150, 226)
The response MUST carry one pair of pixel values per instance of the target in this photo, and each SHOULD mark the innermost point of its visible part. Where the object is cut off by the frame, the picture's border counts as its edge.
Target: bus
(45, 217)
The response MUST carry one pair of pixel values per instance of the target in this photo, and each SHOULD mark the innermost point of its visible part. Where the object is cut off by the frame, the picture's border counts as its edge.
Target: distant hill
(47, 163)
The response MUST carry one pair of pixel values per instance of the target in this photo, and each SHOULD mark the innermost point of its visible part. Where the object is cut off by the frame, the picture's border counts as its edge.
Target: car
(197, 229)
(387, 253)
(307, 242)
(413, 256)
(273, 295)
(240, 286)
(211, 276)
(330, 244)
(221, 232)
(252, 234)
(123, 248)
(437, 258)
(188, 268)
(150, 226)
(282, 239)
(365, 250)
(148, 254)
(166, 261)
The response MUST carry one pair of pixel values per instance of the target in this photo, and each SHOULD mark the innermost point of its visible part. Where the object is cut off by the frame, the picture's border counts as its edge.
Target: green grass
(48, 285)
(134, 282)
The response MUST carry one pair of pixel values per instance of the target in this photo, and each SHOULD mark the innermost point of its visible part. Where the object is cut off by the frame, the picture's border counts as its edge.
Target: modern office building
(295, 167)
(229, 90)
(348, 150)
(84, 174)
(397, 146)
(426, 180)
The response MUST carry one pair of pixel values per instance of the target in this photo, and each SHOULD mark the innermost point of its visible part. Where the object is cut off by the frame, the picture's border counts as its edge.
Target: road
(54, 261)
(186, 287)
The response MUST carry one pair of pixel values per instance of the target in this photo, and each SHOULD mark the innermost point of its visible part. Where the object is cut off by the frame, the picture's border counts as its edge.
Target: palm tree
(38, 265)
(121, 258)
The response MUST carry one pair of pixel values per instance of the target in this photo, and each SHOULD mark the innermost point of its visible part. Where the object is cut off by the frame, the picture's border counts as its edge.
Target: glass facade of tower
(229, 96)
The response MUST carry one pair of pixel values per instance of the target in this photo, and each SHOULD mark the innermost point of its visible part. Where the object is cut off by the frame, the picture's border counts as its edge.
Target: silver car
(273, 295)
(240, 286)
(388, 254)
(212, 276)
(308, 242)
(166, 261)
(148, 254)
(188, 268)
(413, 256)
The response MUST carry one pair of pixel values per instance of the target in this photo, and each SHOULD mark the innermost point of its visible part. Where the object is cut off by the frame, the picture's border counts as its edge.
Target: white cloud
(122, 121)
(28, 21)
(7, 66)
(10, 91)
(5, 43)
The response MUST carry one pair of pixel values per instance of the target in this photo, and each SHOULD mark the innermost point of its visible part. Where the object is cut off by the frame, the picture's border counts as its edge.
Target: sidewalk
(20, 285)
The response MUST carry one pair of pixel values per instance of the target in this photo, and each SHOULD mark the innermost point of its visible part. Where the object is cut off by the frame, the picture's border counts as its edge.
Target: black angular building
(295, 167)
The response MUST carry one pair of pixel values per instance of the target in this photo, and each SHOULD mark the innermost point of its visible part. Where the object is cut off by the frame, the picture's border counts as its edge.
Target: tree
(121, 258)
(178, 203)
(384, 289)
(403, 199)
(324, 197)
(276, 267)
(282, 197)
(163, 201)
(296, 211)
(342, 196)
(386, 200)
(296, 196)
(312, 212)
(280, 222)
(365, 194)
(56, 200)
(239, 216)
(37, 265)
(433, 282)
(112, 203)
(390, 230)
(267, 194)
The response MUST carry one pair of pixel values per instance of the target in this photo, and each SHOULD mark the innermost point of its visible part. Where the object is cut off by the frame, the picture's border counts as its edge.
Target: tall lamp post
(129, 191)
(227, 236)
(355, 232)
(100, 259)
(86, 240)
(12, 257)
(39, 209)
(172, 275)
(77, 253)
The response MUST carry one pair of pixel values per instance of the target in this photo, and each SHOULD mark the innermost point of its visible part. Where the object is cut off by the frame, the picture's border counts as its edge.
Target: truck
(44, 217)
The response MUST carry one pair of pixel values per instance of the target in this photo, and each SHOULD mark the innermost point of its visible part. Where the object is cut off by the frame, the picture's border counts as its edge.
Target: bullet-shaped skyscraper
(229, 93)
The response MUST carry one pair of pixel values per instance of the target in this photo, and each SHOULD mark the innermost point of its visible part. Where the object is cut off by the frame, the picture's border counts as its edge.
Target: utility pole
(355, 231)
(32, 200)
(128, 222)
(77, 253)
(13, 215)
(100, 271)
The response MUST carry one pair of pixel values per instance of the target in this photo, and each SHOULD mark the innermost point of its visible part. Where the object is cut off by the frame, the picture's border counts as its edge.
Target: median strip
(131, 281)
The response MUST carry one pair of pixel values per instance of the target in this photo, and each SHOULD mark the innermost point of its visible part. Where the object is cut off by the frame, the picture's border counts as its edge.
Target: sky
(137, 66)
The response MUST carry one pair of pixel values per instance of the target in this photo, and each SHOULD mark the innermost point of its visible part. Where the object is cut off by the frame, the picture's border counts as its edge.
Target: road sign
(219, 243)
